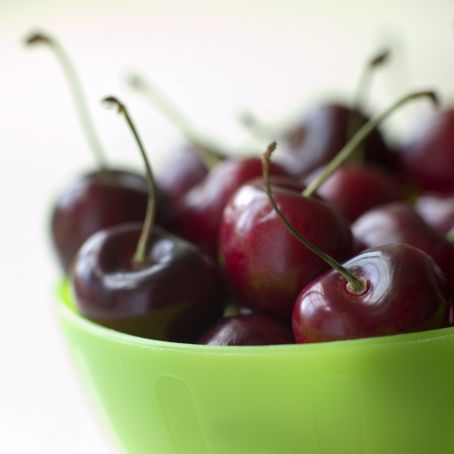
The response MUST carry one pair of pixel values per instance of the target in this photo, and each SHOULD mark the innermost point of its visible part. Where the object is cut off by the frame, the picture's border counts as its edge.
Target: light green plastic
(389, 395)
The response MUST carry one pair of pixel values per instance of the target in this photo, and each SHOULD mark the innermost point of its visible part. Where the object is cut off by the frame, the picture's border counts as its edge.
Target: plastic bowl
(387, 395)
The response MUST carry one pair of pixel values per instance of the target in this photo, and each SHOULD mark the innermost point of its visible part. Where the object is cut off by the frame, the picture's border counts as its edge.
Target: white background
(213, 58)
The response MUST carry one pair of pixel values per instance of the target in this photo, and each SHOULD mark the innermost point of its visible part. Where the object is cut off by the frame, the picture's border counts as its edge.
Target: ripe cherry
(354, 189)
(189, 164)
(250, 329)
(398, 222)
(437, 210)
(428, 157)
(153, 285)
(404, 291)
(197, 216)
(328, 127)
(98, 199)
(373, 294)
(264, 265)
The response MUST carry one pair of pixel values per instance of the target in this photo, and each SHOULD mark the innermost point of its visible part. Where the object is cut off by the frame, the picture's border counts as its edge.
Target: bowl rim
(67, 311)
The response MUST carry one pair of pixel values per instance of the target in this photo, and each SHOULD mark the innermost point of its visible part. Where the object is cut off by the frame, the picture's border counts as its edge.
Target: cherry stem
(355, 285)
(77, 92)
(208, 154)
(143, 243)
(358, 138)
(363, 87)
(450, 235)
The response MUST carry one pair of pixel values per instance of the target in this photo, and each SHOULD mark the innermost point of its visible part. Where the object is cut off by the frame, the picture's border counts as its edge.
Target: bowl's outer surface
(390, 395)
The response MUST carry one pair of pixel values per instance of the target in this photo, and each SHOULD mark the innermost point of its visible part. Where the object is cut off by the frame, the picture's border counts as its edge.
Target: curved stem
(208, 154)
(348, 150)
(362, 90)
(76, 90)
(364, 82)
(144, 239)
(354, 284)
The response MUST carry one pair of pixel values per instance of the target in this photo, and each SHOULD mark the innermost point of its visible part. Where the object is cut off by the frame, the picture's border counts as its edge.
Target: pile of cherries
(338, 238)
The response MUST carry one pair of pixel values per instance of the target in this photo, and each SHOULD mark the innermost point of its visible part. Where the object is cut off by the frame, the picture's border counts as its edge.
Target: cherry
(372, 294)
(197, 216)
(263, 264)
(323, 132)
(437, 210)
(93, 202)
(328, 127)
(347, 152)
(153, 285)
(250, 329)
(428, 157)
(98, 199)
(404, 292)
(189, 164)
(354, 189)
(398, 222)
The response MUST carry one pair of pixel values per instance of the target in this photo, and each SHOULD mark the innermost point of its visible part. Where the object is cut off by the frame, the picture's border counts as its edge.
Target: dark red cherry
(98, 199)
(190, 163)
(265, 266)
(428, 157)
(354, 189)
(182, 170)
(144, 281)
(251, 329)
(198, 215)
(323, 132)
(404, 292)
(437, 210)
(175, 295)
(398, 222)
(93, 202)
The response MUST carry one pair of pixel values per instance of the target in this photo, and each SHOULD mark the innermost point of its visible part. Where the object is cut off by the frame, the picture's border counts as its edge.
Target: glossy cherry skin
(322, 134)
(398, 222)
(93, 202)
(183, 170)
(250, 329)
(405, 292)
(265, 266)
(437, 210)
(354, 189)
(198, 215)
(428, 157)
(175, 296)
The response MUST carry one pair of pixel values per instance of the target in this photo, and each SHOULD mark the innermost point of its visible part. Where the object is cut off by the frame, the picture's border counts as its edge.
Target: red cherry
(197, 217)
(264, 265)
(437, 210)
(373, 294)
(124, 277)
(183, 170)
(428, 157)
(354, 189)
(94, 202)
(251, 329)
(324, 132)
(99, 199)
(189, 164)
(327, 128)
(144, 300)
(405, 292)
(399, 223)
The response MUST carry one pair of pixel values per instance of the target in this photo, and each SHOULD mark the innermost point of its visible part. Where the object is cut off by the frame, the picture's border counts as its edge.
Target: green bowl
(387, 395)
